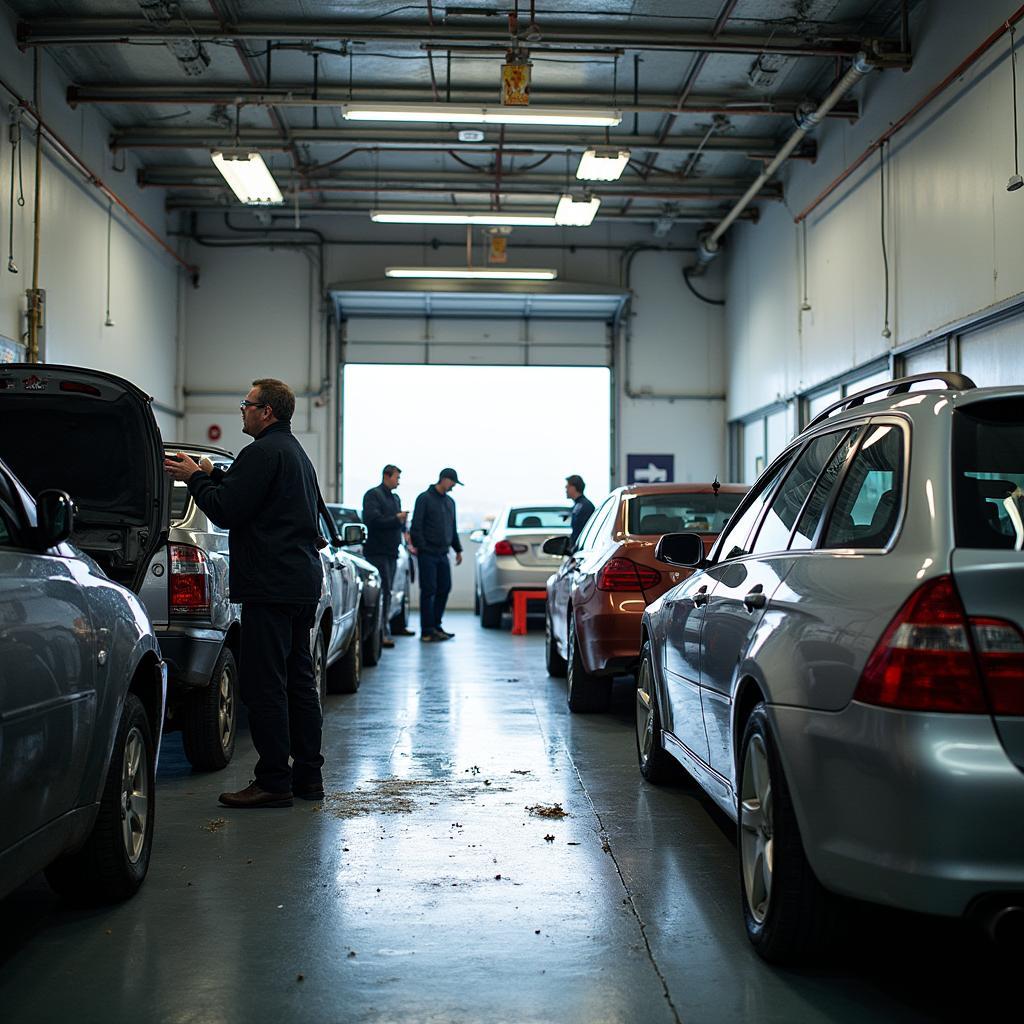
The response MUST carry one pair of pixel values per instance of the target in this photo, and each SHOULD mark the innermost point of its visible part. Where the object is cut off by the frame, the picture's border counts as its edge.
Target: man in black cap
(433, 533)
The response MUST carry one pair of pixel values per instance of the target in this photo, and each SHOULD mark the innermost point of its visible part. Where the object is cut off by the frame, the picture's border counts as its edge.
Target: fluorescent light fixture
(248, 177)
(454, 113)
(492, 217)
(571, 213)
(475, 273)
(602, 164)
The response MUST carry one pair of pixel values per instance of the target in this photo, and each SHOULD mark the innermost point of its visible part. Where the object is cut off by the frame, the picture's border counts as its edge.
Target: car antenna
(716, 486)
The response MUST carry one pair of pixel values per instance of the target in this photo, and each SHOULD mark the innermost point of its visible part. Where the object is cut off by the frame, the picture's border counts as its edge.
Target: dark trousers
(280, 692)
(386, 566)
(435, 586)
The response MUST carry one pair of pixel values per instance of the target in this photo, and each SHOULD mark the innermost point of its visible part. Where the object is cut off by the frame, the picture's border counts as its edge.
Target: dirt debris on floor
(547, 811)
(399, 796)
(215, 824)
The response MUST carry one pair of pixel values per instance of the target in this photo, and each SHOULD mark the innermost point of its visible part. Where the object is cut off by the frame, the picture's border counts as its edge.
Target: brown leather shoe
(387, 642)
(253, 796)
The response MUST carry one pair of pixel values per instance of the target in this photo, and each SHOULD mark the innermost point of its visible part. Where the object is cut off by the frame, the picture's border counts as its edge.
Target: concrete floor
(434, 895)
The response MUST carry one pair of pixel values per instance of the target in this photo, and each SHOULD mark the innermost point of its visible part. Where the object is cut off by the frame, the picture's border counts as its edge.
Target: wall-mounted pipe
(708, 247)
(897, 126)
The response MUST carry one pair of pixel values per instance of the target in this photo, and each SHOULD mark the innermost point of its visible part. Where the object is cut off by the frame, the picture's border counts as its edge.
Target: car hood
(93, 435)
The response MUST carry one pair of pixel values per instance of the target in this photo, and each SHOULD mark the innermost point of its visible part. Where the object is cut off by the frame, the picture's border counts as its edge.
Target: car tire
(112, 863)
(555, 662)
(584, 691)
(374, 639)
(490, 614)
(788, 914)
(345, 674)
(654, 761)
(476, 601)
(320, 665)
(210, 721)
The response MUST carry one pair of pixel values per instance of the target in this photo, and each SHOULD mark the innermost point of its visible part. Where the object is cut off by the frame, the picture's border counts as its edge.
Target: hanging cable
(805, 306)
(1016, 181)
(703, 298)
(886, 332)
(109, 321)
(15, 138)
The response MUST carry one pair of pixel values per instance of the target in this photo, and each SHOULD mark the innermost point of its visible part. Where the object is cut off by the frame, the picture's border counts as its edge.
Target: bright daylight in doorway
(514, 433)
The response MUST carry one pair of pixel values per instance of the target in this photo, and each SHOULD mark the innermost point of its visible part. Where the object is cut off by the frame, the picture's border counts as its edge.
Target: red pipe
(882, 139)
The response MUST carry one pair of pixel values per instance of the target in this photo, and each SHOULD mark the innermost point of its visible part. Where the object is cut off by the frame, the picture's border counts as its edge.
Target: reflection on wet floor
(480, 855)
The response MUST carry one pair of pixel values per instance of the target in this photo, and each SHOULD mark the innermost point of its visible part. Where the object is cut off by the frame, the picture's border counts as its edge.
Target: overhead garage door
(562, 325)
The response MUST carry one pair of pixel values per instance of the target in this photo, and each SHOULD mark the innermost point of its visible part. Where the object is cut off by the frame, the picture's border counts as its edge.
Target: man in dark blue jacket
(433, 533)
(385, 523)
(582, 507)
(267, 501)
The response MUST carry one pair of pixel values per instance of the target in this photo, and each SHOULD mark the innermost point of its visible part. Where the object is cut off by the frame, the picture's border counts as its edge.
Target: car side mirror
(685, 549)
(55, 518)
(477, 535)
(556, 546)
(353, 533)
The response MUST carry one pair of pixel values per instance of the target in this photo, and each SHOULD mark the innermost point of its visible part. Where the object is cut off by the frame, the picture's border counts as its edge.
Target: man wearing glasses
(267, 501)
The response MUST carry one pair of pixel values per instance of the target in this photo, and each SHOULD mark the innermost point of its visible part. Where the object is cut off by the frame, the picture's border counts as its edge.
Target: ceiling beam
(703, 215)
(302, 96)
(207, 137)
(602, 32)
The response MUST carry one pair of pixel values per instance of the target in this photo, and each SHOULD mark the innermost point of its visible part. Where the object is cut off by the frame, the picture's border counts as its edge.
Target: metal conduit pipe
(709, 247)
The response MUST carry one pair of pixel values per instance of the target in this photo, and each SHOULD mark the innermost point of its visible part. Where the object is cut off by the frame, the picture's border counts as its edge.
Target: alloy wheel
(644, 714)
(756, 829)
(226, 709)
(134, 795)
(318, 665)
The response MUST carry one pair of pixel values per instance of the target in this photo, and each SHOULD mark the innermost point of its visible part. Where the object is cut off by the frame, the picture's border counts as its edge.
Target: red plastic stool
(519, 599)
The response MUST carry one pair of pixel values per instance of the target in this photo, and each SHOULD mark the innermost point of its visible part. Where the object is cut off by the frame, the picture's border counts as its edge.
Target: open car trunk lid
(93, 435)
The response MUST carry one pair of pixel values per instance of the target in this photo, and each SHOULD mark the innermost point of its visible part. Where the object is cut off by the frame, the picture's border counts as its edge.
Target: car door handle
(701, 597)
(755, 599)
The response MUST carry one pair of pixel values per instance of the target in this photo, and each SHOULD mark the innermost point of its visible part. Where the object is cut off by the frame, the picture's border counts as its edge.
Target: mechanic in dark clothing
(582, 509)
(385, 523)
(433, 533)
(268, 502)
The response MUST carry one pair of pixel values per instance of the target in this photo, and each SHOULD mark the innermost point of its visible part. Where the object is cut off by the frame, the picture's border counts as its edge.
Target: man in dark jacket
(582, 507)
(385, 523)
(433, 533)
(268, 502)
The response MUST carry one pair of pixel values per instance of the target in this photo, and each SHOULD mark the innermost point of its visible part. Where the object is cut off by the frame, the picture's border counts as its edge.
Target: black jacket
(268, 502)
(380, 515)
(433, 523)
(582, 510)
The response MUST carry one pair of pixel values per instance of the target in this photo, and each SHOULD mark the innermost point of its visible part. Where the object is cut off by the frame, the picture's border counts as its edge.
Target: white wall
(953, 230)
(250, 317)
(142, 345)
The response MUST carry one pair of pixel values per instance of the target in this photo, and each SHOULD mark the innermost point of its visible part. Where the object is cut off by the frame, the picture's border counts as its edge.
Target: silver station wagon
(844, 674)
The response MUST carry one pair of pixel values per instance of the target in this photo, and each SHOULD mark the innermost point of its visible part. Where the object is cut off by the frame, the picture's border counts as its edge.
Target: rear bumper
(500, 576)
(608, 631)
(191, 653)
(919, 811)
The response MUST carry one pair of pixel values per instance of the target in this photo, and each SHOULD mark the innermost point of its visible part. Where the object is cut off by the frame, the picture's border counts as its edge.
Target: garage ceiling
(708, 90)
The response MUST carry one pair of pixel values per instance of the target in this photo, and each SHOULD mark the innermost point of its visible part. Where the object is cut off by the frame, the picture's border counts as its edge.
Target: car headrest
(660, 524)
(530, 521)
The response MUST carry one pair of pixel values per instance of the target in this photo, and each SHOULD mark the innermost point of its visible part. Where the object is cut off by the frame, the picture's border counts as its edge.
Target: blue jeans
(435, 586)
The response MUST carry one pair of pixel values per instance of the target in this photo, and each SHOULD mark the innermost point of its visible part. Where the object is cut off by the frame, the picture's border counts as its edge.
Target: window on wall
(877, 377)
(994, 355)
(821, 401)
(926, 360)
(753, 450)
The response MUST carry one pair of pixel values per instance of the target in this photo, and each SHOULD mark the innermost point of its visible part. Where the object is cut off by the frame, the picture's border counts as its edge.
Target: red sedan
(598, 595)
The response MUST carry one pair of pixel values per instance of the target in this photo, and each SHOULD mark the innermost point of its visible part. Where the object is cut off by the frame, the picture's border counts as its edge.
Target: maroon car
(597, 597)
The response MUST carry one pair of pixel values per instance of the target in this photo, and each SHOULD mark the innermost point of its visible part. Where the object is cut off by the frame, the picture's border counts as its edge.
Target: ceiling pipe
(94, 31)
(897, 126)
(301, 96)
(709, 246)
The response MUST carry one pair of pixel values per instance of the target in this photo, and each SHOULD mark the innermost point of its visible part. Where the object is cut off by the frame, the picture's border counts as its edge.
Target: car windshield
(539, 517)
(988, 474)
(343, 516)
(680, 513)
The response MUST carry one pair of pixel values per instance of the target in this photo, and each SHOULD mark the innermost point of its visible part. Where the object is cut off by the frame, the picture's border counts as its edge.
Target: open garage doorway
(513, 433)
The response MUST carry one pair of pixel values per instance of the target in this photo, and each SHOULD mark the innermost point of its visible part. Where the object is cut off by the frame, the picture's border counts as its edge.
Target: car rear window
(541, 518)
(988, 474)
(651, 514)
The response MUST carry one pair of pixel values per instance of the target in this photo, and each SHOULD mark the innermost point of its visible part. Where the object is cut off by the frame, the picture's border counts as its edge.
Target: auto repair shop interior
(743, 739)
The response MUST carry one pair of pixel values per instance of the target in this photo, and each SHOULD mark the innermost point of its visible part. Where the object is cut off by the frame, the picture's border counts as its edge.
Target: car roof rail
(898, 386)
